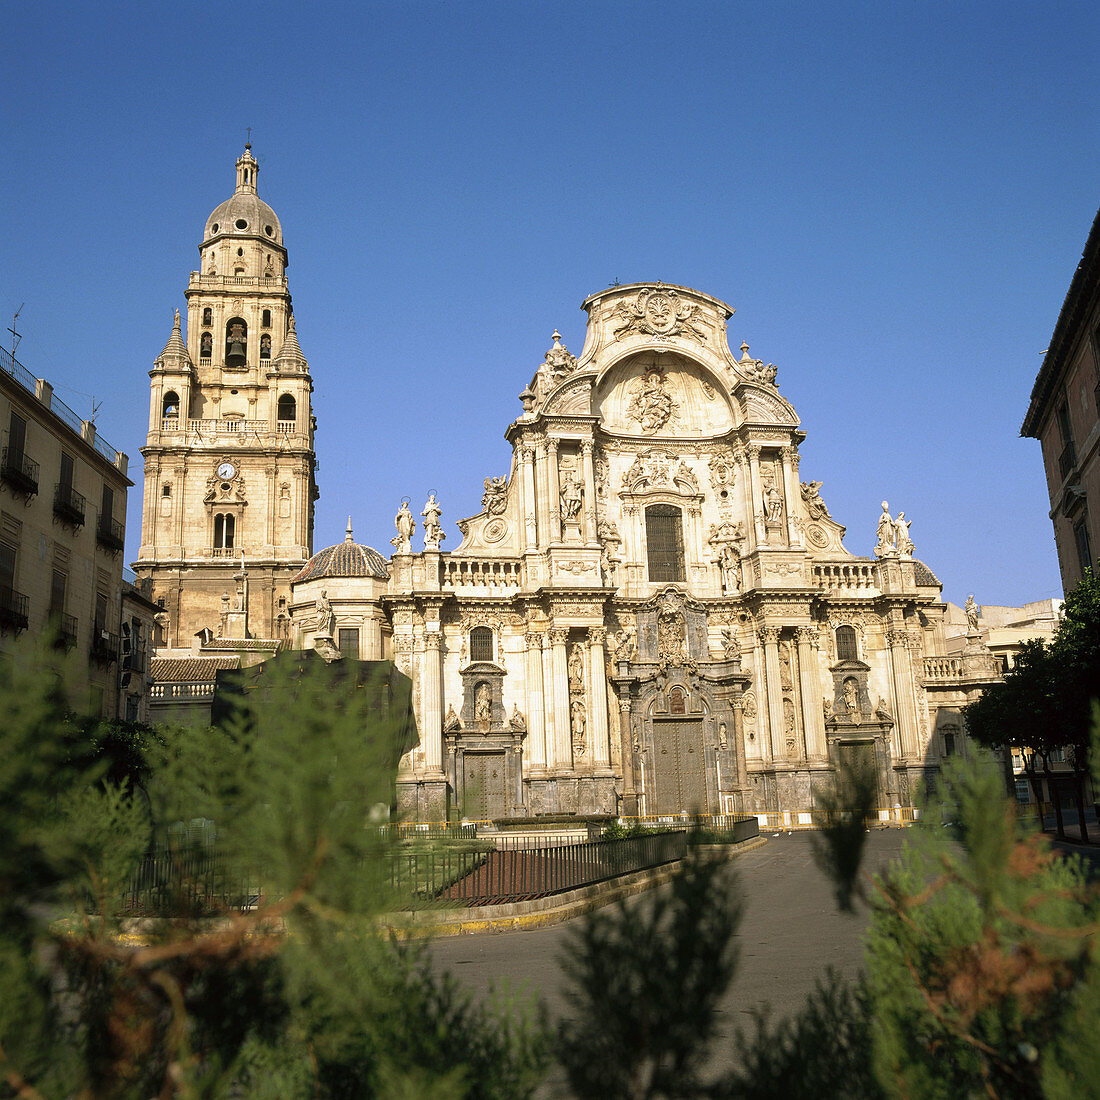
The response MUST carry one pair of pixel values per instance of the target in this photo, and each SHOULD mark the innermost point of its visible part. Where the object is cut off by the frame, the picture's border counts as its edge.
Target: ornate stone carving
(558, 360)
(653, 469)
(451, 723)
(773, 503)
(517, 723)
(483, 706)
(723, 469)
(558, 635)
(972, 613)
(571, 495)
(597, 635)
(731, 648)
(494, 499)
(755, 370)
(786, 678)
(576, 669)
(815, 506)
(575, 568)
(817, 536)
(433, 531)
(577, 724)
(651, 405)
(660, 312)
(626, 644)
(671, 634)
(729, 562)
(405, 525)
(768, 635)
(893, 535)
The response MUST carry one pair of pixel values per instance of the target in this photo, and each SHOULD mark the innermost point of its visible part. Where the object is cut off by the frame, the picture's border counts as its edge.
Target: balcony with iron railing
(19, 471)
(68, 505)
(110, 534)
(64, 628)
(104, 646)
(1067, 460)
(133, 660)
(13, 608)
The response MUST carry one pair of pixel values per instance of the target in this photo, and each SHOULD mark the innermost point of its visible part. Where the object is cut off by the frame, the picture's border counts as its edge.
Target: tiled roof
(924, 576)
(345, 559)
(186, 669)
(243, 643)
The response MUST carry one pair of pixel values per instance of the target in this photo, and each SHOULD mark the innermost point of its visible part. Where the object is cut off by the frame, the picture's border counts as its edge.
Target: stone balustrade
(943, 668)
(480, 572)
(182, 692)
(198, 279)
(835, 576)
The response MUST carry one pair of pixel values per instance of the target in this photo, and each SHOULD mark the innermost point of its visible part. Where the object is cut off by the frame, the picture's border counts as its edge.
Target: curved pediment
(761, 406)
(571, 397)
(662, 395)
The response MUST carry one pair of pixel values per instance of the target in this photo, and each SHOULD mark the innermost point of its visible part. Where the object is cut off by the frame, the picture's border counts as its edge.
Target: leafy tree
(841, 815)
(644, 980)
(298, 995)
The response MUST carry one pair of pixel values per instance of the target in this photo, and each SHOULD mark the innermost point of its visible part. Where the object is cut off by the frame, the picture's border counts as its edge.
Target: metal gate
(484, 786)
(679, 766)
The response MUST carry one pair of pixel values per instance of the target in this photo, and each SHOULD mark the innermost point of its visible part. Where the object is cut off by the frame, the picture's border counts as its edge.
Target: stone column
(589, 492)
(905, 707)
(597, 719)
(739, 742)
(553, 489)
(542, 479)
(769, 638)
(536, 716)
(563, 744)
(792, 493)
(550, 720)
(809, 685)
(626, 741)
(431, 715)
(530, 522)
(756, 503)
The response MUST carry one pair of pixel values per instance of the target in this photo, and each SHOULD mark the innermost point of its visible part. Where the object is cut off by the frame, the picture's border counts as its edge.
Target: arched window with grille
(846, 648)
(664, 535)
(481, 644)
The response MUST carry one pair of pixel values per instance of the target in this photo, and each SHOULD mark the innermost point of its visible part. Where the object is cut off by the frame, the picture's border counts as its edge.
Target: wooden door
(679, 766)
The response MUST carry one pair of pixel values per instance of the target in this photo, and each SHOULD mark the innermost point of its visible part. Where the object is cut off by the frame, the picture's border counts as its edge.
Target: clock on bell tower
(229, 460)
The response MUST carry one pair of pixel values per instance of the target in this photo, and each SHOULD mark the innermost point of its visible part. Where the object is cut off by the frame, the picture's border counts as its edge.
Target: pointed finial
(347, 534)
(556, 338)
(248, 143)
(744, 348)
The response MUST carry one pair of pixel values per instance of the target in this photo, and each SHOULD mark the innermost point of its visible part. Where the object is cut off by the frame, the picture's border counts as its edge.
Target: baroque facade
(651, 614)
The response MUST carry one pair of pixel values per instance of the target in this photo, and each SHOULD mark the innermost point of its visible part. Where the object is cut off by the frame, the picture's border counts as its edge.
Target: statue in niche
(483, 706)
(269, 267)
(576, 670)
(901, 536)
(624, 650)
(651, 405)
(609, 567)
(433, 532)
(494, 500)
(812, 497)
(971, 610)
(851, 699)
(730, 564)
(577, 722)
(773, 503)
(723, 738)
(789, 729)
(887, 534)
(570, 496)
(405, 525)
(785, 679)
(326, 617)
(451, 723)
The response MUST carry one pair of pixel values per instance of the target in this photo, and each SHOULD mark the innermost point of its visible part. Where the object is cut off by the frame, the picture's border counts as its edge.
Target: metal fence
(188, 879)
(494, 877)
(731, 828)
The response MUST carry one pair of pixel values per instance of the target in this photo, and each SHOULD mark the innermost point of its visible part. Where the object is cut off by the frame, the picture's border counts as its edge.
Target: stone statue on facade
(773, 504)
(730, 564)
(517, 722)
(570, 497)
(433, 532)
(731, 648)
(326, 617)
(901, 534)
(405, 525)
(652, 405)
(576, 670)
(577, 722)
(971, 610)
(483, 706)
(887, 533)
(812, 496)
(494, 500)
(624, 648)
(451, 723)
(609, 566)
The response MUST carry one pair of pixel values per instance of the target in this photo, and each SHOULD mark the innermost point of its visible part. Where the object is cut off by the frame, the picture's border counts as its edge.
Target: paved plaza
(791, 932)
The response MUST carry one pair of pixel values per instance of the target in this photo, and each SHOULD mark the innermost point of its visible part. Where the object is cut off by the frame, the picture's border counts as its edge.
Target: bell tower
(229, 460)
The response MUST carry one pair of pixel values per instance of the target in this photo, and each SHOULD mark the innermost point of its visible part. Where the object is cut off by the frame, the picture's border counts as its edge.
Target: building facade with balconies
(62, 526)
(1064, 415)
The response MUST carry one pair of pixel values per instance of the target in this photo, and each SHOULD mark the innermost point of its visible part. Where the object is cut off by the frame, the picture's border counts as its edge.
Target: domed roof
(345, 559)
(244, 213)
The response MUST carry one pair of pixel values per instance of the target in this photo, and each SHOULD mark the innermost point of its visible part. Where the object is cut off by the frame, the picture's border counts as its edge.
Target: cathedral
(651, 614)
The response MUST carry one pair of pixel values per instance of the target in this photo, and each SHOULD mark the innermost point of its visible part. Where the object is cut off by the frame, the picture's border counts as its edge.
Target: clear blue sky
(893, 197)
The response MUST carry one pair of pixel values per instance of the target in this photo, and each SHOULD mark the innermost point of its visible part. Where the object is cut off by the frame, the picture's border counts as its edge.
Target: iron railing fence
(731, 828)
(497, 876)
(188, 879)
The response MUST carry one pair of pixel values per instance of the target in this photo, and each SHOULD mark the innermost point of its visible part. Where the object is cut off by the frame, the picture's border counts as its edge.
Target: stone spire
(176, 349)
(347, 534)
(290, 357)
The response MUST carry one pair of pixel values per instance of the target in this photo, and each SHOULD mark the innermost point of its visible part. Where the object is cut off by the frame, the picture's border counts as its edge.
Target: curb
(523, 916)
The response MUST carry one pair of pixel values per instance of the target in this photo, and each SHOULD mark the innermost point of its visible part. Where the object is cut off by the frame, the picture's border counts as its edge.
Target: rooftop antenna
(15, 336)
(95, 406)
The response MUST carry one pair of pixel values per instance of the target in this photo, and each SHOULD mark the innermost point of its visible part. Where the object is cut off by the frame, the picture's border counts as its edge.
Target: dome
(345, 559)
(244, 213)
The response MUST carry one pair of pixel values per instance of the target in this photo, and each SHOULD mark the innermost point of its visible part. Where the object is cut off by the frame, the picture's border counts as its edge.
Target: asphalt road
(790, 933)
